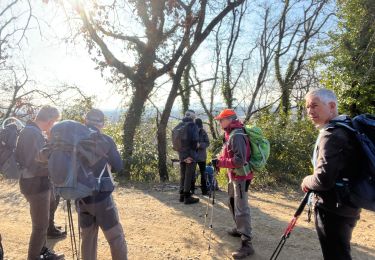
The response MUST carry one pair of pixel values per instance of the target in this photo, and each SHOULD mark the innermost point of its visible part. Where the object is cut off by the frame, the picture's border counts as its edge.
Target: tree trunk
(162, 152)
(285, 98)
(212, 126)
(132, 120)
(162, 139)
(185, 89)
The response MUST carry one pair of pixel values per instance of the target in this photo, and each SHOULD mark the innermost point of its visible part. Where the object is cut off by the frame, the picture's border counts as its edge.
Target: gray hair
(325, 95)
(47, 113)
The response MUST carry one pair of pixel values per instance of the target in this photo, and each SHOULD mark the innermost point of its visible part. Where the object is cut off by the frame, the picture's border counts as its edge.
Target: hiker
(35, 184)
(203, 143)
(100, 210)
(188, 157)
(234, 155)
(211, 182)
(336, 155)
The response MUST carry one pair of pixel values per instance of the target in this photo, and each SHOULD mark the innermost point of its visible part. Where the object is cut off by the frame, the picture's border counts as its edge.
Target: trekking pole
(290, 226)
(208, 205)
(72, 231)
(212, 214)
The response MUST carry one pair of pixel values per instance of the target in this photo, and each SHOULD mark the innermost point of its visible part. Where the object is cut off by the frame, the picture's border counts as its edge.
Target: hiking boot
(234, 233)
(182, 197)
(245, 250)
(188, 199)
(206, 193)
(48, 254)
(55, 233)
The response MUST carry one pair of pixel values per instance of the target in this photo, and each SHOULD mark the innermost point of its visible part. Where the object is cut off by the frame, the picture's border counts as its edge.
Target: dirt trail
(157, 226)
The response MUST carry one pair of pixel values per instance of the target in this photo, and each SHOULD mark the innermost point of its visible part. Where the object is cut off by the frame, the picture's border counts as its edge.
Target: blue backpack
(360, 191)
(72, 152)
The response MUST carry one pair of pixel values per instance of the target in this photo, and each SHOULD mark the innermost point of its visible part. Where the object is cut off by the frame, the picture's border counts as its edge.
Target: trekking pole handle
(303, 204)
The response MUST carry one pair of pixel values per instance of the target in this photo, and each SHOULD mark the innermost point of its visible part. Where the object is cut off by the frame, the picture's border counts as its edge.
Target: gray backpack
(8, 142)
(72, 152)
(180, 135)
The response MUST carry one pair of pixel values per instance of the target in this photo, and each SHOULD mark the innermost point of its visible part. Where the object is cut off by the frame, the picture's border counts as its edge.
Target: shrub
(292, 143)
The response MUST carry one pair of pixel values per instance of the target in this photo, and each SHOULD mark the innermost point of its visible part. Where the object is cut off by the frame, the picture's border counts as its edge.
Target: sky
(51, 62)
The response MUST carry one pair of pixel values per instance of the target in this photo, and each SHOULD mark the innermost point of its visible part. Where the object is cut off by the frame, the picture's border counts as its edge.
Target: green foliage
(145, 155)
(78, 109)
(144, 165)
(144, 160)
(351, 73)
(292, 143)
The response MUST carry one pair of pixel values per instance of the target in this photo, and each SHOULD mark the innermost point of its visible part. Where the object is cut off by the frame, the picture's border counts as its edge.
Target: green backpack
(260, 150)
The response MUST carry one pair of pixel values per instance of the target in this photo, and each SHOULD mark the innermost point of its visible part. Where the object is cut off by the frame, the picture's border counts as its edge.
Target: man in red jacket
(234, 156)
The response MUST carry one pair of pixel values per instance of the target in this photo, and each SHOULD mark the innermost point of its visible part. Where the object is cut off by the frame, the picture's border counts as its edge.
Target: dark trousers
(101, 215)
(54, 202)
(39, 212)
(335, 233)
(202, 171)
(187, 171)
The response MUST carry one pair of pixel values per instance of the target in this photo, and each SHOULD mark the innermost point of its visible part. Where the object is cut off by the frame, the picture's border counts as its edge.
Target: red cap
(225, 113)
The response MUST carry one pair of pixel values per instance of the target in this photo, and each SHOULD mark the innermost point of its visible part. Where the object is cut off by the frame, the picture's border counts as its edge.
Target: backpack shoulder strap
(237, 131)
(347, 126)
(343, 121)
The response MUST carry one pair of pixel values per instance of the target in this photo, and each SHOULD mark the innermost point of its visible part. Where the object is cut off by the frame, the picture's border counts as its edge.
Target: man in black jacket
(203, 144)
(34, 182)
(188, 157)
(336, 156)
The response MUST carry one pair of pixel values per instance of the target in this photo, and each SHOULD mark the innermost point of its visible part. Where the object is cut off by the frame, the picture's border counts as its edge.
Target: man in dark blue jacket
(34, 182)
(100, 210)
(188, 158)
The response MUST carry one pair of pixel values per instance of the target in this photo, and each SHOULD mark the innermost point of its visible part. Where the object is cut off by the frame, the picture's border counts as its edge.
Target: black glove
(214, 163)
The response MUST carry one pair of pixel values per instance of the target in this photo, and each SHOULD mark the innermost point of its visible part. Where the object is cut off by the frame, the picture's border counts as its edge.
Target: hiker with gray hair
(188, 157)
(99, 211)
(336, 155)
(34, 182)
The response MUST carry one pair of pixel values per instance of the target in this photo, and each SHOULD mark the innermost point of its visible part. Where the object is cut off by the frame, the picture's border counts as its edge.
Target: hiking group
(74, 161)
(41, 150)
(337, 156)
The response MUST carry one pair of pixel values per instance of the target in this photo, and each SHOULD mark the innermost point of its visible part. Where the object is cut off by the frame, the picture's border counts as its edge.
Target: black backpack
(180, 135)
(8, 142)
(360, 191)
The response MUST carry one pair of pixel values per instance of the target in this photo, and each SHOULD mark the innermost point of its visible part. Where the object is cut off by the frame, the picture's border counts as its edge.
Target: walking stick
(211, 196)
(290, 226)
(212, 211)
